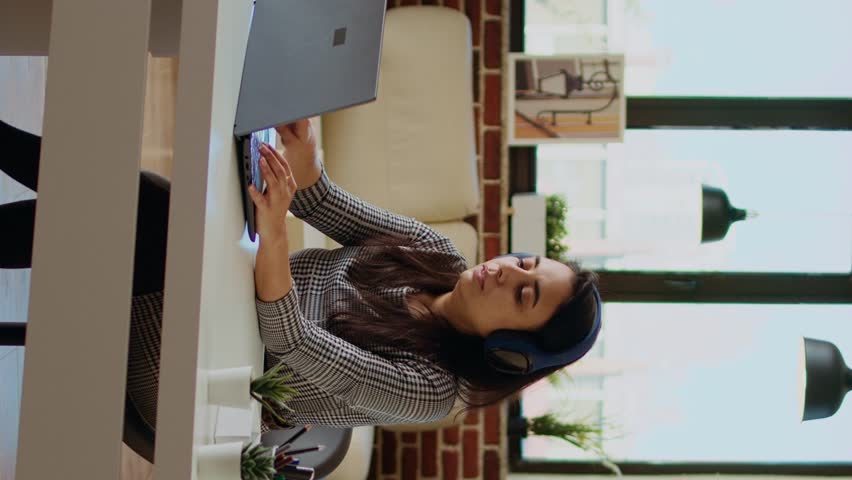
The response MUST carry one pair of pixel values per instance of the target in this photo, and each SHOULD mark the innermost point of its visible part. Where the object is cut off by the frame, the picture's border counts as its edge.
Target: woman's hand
(300, 145)
(272, 205)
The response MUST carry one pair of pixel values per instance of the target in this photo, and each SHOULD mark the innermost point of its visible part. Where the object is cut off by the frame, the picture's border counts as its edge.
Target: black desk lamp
(717, 214)
(827, 379)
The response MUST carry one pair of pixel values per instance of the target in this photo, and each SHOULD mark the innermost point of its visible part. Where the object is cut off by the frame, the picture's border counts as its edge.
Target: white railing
(74, 376)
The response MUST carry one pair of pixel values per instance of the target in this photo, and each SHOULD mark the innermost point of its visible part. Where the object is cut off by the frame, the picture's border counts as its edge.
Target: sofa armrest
(356, 464)
(463, 236)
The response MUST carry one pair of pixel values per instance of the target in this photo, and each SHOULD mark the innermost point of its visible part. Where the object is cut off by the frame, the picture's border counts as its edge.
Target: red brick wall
(474, 449)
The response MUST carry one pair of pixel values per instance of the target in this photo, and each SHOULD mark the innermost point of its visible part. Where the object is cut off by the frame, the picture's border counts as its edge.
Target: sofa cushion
(413, 149)
(463, 236)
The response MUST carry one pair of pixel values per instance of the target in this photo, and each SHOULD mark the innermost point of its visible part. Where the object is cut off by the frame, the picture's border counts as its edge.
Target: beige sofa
(413, 149)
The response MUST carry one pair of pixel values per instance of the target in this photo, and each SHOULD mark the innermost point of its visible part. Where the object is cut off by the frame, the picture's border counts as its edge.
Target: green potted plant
(251, 461)
(236, 461)
(538, 224)
(556, 229)
(585, 436)
(272, 387)
(235, 387)
(257, 462)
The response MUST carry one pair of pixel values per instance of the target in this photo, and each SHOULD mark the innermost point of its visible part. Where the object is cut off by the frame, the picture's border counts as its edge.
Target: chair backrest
(413, 150)
(136, 434)
(13, 334)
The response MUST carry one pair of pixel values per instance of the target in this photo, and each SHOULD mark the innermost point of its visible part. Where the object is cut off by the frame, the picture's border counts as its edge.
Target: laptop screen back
(307, 57)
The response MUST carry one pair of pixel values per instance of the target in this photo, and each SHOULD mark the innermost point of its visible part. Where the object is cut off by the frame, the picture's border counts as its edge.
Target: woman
(391, 328)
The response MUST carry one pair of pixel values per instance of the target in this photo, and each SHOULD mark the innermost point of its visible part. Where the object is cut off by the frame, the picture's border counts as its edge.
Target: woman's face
(510, 293)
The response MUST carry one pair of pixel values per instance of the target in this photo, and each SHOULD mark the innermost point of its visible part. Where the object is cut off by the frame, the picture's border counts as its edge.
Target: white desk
(74, 376)
(209, 314)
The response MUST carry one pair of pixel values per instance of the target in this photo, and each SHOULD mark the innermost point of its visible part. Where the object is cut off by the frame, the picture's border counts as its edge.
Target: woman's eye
(519, 295)
(521, 263)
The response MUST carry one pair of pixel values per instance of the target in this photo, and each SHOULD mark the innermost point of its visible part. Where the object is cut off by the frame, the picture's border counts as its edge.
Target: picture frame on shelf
(574, 98)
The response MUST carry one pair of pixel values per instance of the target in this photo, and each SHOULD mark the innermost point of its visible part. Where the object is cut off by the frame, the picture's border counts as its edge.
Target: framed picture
(566, 99)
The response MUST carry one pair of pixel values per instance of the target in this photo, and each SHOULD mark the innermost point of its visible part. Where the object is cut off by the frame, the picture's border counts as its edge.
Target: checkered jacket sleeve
(350, 221)
(403, 390)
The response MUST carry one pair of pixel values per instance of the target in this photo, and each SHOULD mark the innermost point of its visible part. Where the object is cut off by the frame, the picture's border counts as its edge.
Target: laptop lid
(307, 57)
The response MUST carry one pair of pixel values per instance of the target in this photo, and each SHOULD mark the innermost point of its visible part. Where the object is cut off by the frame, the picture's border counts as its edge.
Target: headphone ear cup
(499, 362)
(510, 351)
(507, 361)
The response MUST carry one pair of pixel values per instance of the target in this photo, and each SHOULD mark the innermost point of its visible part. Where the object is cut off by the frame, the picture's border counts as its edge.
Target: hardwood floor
(22, 82)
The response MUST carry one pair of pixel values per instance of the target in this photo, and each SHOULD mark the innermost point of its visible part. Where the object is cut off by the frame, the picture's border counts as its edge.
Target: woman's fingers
(285, 165)
(266, 172)
(280, 165)
(256, 197)
(286, 134)
(266, 162)
(296, 131)
(302, 127)
(274, 160)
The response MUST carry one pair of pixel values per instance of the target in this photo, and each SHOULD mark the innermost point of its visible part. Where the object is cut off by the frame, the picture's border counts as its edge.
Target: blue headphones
(515, 352)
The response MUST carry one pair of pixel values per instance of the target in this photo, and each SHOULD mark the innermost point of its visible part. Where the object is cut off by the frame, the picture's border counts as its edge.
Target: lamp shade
(827, 379)
(717, 214)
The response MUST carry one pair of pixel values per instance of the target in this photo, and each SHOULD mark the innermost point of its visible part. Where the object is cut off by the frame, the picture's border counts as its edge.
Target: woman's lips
(480, 277)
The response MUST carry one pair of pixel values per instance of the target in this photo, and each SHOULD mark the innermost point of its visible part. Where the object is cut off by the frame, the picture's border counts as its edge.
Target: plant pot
(219, 462)
(529, 223)
(230, 387)
(517, 427)
(256, 414)
(237, 424)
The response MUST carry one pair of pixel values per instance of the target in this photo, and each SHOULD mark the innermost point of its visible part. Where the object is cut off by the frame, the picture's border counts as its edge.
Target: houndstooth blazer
(338, 383)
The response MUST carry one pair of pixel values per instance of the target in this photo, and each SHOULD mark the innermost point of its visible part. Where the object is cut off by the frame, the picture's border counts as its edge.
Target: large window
(634, 205)
(720, 48)
(680, 382)
(695, 368)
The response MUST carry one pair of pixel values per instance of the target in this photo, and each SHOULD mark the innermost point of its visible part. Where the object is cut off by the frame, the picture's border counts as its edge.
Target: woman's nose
(495, 271)
(514, 272)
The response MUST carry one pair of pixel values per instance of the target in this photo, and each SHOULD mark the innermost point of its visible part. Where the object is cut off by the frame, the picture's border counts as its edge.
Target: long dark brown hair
(375, 321)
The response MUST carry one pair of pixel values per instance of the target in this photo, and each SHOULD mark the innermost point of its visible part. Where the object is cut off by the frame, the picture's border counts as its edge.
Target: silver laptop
(304, 58)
